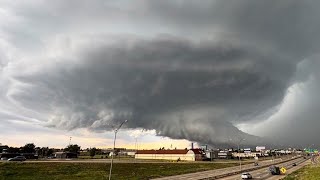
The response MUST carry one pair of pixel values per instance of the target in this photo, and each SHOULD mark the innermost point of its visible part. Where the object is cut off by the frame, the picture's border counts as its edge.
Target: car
(294, 164)
(274, 170)
(4, 158)
(17, 158)
(246, 175)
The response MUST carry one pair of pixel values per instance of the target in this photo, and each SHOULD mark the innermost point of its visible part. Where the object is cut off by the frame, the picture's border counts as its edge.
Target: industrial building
(176, 154)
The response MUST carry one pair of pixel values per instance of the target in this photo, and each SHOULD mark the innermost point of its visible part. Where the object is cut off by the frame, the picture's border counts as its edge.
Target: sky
(209, 72)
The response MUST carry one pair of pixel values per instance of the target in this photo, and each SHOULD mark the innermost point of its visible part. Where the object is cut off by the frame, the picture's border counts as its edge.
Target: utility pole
(114, 146)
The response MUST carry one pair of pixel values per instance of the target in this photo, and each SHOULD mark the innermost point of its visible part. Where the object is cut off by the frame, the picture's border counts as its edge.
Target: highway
(226, 172)
(264, 173)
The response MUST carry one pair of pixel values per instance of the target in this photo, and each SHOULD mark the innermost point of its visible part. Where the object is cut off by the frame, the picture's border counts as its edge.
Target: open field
(56, 170)
(309, 172)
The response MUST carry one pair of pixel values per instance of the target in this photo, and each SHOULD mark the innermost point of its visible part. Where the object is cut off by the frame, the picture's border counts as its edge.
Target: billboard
(311, 150)
(260, 148)
(247, 150)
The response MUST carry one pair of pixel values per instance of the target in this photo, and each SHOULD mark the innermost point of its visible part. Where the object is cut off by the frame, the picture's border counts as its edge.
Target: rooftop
(174, 151)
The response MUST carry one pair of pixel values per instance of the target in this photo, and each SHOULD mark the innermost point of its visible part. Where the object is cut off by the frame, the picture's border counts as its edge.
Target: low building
(247, 150)
(64, 155)
(260, 148)
(176, 154)
(246, 154)
(3, 148)
(127, 152)
(211, 154)
(224, 155)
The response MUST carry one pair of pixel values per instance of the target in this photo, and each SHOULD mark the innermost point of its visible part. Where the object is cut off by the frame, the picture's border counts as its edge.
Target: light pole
(239, 152)
(70, 140)
(136, 149)
(114, 146)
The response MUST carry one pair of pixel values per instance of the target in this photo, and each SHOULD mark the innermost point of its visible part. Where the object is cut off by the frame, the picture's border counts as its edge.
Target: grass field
(52, 171)
(306, 173)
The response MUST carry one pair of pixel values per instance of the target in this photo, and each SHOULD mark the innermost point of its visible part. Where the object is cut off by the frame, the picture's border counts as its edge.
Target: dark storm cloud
(180, 88)
(192, 70)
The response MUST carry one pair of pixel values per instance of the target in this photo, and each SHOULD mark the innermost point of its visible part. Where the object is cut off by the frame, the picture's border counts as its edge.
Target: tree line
(47, 152)
(40, 151)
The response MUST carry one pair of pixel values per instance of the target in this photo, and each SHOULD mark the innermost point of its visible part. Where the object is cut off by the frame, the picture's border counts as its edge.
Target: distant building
(211, 154)
(204, 147)
(64, 155)
(247, 150)
(3, 148)
(260, 148)
(127, 152)
(176, 154)
(246, 154)
(224, 155)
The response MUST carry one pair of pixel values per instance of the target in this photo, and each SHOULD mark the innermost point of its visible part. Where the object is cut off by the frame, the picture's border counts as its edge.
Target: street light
(70, 140)
(114, 146)
(239, 152)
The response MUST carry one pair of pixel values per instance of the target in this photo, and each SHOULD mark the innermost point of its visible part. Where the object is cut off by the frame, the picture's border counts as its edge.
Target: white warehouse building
(181, 154)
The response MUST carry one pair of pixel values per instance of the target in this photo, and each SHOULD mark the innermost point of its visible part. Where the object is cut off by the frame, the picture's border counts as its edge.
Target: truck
(274, 170)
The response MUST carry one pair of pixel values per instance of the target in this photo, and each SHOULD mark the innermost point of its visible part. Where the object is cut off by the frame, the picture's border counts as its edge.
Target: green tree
(92, 152)
(74, 148)
(43, 152)
(98, 151)
(39, 151)
(49, 152)
(13, 150)
(29, 148)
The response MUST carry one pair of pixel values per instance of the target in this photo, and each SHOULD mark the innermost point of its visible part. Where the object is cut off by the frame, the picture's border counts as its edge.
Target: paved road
(220, 172)
(315, 159)
(290, 170)
(265, 174)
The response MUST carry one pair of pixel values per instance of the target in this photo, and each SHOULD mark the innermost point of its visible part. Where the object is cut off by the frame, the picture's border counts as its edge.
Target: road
(291, 170)
(264, 173)
(222, 173)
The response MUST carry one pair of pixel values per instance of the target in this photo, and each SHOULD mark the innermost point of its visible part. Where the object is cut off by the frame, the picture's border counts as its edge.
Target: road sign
(309, 150)
(283, 170)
